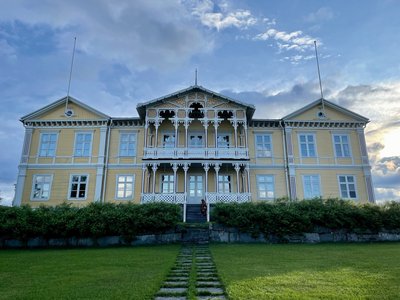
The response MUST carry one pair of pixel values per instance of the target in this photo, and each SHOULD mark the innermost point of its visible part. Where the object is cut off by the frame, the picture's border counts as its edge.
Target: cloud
(321, 15)
(221, 16)
(295, 40)
(139, 34)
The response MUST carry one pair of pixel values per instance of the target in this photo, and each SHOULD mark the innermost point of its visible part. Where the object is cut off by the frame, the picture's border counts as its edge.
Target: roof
(141, 107)
(55, 104)
(328, 104)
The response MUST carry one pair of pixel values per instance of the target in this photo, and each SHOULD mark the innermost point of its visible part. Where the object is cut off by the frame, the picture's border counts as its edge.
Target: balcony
(211, 198)
(187, 153)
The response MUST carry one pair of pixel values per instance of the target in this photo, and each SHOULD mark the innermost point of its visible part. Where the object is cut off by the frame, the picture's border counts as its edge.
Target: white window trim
(70, 185)
(315, 144)
(230, 139)
(196, 132)
(91, 143)
(168, 132)
(258, 187)
(230, 182)
(355, 186)
(255, 143)
(116, 187)
(121, 132)
(349, 143)
(161, 182)
(202, 183)
(319, 183)
(40, 143)
(33, 185)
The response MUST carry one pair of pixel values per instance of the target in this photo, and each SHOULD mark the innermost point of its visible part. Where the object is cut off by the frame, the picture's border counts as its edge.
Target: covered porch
(187, 183)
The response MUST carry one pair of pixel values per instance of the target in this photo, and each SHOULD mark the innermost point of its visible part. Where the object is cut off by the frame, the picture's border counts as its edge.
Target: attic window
(68, 112)
(196, 113)
(321, 114)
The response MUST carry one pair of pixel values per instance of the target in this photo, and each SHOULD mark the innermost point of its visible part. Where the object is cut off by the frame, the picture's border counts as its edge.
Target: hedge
(284, 217)
(93, 221)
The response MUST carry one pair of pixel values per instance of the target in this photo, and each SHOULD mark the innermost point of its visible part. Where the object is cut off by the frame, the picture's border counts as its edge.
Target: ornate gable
(324, 111)
(57, 111)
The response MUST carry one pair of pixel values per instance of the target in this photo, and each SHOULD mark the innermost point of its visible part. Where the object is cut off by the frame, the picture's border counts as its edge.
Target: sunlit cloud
(206, 12)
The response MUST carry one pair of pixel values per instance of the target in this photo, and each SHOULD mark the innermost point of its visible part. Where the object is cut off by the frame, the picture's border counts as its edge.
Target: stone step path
(193, 276)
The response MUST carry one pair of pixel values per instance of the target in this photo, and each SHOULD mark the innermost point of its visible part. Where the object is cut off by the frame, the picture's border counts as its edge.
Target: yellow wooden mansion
(190, 145)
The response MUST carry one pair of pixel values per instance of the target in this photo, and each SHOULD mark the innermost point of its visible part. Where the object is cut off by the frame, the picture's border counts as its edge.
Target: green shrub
(93, 221)
(286, 217)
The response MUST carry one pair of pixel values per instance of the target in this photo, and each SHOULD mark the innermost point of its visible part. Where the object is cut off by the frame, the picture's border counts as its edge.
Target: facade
(190, 145)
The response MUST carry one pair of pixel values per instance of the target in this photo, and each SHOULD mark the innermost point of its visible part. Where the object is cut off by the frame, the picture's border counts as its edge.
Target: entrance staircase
(193, 214)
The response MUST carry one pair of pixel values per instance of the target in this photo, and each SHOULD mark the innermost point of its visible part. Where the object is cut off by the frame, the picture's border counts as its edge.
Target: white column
(247, 167)
(143, 177)
(19, 189)
(154, 168)
(148, 175)
(146, 127)
(216, 168)
(237, 169)
(156, 124)
(206, 168)
(175, 169)
(186, 124)
(216, 132)
(185, 169)
(100, 164)
(176, 124)
(235, 125)
(245, 135)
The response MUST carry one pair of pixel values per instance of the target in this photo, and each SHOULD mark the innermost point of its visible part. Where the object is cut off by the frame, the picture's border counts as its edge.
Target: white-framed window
(347, 186)
(223, 140)
(41, 187)
(195, 185)
(48, 144)
(341, 144)
(83, 144)
(312, 186)
(125, 187)
(127, 144)
(265, 186)
(169, 140)
(196, 140)
(307, 145)
(224, 184)
(167, 184)
(78, 186)
(263, 145)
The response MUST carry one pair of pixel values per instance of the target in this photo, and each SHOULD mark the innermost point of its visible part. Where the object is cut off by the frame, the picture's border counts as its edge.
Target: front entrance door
(195, 189)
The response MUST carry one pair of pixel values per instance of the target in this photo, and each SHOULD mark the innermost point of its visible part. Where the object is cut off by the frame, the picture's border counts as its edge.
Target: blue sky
(260, 52)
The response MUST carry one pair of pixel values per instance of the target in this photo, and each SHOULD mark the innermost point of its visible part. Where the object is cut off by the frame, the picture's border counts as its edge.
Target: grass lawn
(111, 273)
(324, 271)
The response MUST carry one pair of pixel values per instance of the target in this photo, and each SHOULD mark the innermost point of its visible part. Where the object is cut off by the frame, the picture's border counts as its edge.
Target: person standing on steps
(203, 207)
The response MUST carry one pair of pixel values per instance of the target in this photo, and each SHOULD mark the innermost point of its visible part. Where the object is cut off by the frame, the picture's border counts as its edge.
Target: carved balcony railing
(184, 153)
(228, 197)
(177, 198)
(180, 198)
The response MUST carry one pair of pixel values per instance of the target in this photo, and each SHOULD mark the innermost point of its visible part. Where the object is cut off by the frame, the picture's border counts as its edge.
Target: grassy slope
(327, 271)
(114, 273)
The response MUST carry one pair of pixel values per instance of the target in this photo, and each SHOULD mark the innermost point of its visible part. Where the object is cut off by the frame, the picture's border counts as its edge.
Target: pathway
(193, 276)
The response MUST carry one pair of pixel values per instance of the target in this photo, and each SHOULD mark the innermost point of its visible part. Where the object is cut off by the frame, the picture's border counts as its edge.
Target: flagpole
(70, 75)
